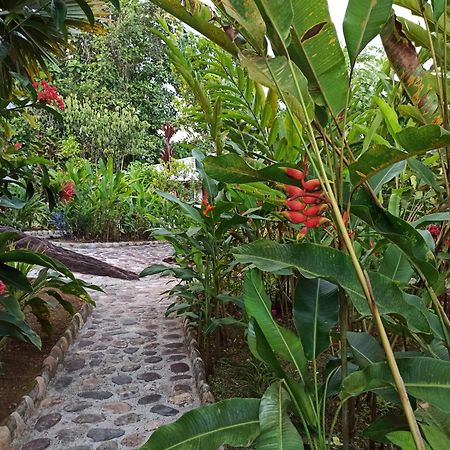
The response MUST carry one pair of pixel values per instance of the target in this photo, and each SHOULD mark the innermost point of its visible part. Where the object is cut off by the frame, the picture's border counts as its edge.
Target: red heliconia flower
(293, 191)
(311, 185)
(295, 205)
(295, 216)
(67, 192)
(3, 288)
(315, 222)
(316, 210)
(295, 174)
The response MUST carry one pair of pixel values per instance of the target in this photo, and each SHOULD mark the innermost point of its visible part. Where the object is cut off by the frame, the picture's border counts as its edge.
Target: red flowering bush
(67, 192)
(48, 94)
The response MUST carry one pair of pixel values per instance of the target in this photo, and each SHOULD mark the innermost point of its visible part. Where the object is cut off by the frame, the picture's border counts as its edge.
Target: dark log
(76, 262)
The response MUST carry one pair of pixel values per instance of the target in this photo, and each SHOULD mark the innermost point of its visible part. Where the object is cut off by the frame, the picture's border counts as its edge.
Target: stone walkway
(128, 371)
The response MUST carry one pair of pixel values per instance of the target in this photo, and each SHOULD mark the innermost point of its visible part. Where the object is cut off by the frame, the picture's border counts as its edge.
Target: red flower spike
(315, 210)
(311, 185)
(3, 288)
(295, 216)
(295, 205)
(295, 174)
(315, 222)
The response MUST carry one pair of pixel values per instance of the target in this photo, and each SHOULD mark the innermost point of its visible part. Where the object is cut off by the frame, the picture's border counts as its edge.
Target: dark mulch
(21, 362)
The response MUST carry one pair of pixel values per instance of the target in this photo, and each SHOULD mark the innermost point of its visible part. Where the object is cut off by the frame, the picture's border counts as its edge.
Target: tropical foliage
(362, 184)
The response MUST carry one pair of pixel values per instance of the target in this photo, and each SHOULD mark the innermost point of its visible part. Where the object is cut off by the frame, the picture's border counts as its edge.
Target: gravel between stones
(120, 379)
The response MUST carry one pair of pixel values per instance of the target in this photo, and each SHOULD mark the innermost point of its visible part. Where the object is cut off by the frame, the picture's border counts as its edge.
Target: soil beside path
(128, 372)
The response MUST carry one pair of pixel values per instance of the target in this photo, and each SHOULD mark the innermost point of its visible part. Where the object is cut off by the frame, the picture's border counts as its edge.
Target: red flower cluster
(435, 230)
(18, 145)
(3, 288)
(48, 94)
(305, 204)
(67, 192)
(207, 206)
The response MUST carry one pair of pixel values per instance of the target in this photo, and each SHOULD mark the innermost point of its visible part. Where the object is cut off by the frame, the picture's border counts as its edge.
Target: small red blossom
(67, 192)
(435, 230)
(46, 93)
(205, 203)
(18, 145)
(3, 288)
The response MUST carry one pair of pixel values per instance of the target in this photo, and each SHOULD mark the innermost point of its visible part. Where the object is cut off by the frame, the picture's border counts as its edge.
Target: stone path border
(206, 396)
(29, 405)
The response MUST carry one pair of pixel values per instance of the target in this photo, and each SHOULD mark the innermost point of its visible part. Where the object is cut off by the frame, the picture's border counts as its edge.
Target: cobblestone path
(127, 373)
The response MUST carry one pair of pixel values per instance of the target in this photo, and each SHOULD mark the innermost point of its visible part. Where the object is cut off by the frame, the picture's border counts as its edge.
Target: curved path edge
(30, 403)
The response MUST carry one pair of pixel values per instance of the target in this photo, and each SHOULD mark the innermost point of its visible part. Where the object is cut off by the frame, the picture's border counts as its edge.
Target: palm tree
(34, 33)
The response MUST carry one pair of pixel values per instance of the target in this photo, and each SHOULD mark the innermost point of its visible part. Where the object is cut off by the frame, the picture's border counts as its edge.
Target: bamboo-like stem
(343, 328)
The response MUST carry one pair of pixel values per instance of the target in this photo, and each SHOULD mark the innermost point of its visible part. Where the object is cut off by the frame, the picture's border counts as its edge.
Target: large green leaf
(377, 159)
(276, 74)
(277, 430)
(422, 139)
(424, 174)
(377, 181)
(316, 310)
(438, 8)
(279, 14)
(435, 437)
(186, 208)
(432, 218)
(199, 19)
(17, 328)
(11, 276)
(232, 168)
(398, 231)
(395, 265)
(246, 13)
(316, 50)
(404, 59)
(415, 141)
(261, 349)
(316, 261)
(35, 258)
(363, 21)
(259, 306)
(233, 422)
(365, 348)
(425, 378)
